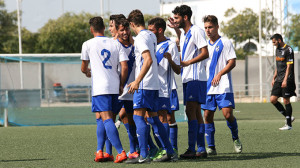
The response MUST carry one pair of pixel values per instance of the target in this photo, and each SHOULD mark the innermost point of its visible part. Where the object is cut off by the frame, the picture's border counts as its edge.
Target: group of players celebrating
(135, 79)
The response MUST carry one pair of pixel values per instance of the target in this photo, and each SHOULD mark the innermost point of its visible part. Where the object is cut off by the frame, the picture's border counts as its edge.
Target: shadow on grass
(23, 160)
(243, 156)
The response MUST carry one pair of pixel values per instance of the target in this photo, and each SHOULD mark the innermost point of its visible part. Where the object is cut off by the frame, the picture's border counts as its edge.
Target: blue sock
(160, 130)
(113, 134)
(132, 137)
(192, 134)
(150, 142)
(210, 134)
(101, 134)
(167, 127)
(108, 146)
(142, 135)
(174, 135)
(234, 129)
(200, 138)
(157, 140)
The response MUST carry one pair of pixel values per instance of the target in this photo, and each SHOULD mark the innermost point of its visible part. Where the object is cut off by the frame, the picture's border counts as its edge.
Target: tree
(8, 26)
(243, 27)
(293, 33)
(64, 35)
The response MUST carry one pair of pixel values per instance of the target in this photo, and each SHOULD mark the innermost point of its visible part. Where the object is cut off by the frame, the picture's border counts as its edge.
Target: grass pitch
(74, 146)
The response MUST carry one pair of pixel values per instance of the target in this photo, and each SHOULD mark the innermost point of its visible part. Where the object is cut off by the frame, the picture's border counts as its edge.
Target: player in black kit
(283, 82)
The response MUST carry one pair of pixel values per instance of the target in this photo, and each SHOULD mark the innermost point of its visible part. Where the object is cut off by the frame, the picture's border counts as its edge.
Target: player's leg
(162, 115)
(131, 131)
(209, 111)
(163, 108)
(210, 130)
(226, 103)
(173, 134)
(190, 111)
(161, 133)
(101, 136)
(122, 118)
(110, 128)
(201, 98)
(142, 134)
(201, 151)
(275, 94)
(139, 112)
(287, 92)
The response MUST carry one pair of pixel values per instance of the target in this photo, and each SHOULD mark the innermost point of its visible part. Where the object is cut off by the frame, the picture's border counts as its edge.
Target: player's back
(146, 40)
(103, 54)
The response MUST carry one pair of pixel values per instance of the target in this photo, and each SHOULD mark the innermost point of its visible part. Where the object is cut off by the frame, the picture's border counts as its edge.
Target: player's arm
(123, 76)
(85, 68)
(274, 77)
(174, 66)
(177, 30)
(145, 68)
(287, 72)
(202, 56)
(230, 65)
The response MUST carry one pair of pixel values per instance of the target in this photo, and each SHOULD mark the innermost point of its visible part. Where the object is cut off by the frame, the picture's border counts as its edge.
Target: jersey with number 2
(105, 55)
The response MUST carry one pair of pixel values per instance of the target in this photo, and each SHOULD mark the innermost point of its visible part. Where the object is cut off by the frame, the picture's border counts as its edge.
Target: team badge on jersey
(217, 48)
(161, 50)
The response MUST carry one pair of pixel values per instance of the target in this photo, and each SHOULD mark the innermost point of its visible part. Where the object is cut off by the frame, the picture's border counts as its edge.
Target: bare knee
(286, 101)
(208, 116)
(273, 99)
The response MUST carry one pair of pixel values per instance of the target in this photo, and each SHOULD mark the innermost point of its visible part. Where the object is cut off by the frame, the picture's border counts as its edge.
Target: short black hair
(183, 10)
(277, 37)
(137, 17)
(116, 17)
(158, 22)
(211, 18)
(123, 22)
(97, 24)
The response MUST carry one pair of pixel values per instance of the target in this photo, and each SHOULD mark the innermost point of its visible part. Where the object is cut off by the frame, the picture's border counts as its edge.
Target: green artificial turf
(74, 145)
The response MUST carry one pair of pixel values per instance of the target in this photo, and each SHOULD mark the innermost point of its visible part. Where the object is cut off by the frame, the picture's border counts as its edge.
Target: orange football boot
(108, 157)
(99, 156)
(121, 157)
(133, 155)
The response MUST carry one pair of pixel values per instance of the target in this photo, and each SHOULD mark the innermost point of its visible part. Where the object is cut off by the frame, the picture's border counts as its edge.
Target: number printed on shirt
(107, 56)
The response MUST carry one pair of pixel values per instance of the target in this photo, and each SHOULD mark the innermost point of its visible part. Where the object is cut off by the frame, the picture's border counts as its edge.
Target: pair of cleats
(160, 156)
(286, 127)
(193, 155)
(238, 148)
(104, 157)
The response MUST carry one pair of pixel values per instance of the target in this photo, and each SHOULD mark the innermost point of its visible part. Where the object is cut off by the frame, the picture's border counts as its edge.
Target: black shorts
(286, 92)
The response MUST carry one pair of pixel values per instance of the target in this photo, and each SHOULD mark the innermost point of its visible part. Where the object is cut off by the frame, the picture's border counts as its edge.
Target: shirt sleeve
(84, 52)
(230, 53)
(141, 44)
(199, 37)
(122, 54)
(290, 56)
(175, 54)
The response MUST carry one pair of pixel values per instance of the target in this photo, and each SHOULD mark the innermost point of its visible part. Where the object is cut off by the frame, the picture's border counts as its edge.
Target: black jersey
(284, 56)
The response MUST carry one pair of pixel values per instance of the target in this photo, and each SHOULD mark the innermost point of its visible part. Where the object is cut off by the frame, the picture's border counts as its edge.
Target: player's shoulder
(171, 43)
(196, 28)
(226, 41)
(289, 49)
